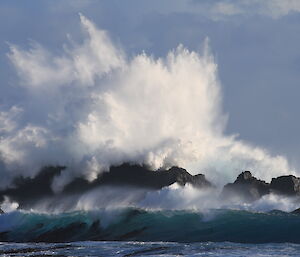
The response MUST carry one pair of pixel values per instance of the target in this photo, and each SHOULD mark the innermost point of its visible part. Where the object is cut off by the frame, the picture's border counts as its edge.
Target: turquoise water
(148, 225)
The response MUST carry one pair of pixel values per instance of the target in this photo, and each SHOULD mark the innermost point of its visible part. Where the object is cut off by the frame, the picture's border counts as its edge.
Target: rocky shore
(248, 188)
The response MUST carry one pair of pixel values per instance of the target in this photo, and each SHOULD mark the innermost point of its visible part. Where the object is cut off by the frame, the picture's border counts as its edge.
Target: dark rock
(246, 187)
(140, 176)
(26, 191)
(1, 211)
(287, 185)
(297, 211)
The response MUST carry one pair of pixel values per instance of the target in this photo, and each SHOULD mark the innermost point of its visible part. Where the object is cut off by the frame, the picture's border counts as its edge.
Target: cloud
(221, 9)
(277, 8)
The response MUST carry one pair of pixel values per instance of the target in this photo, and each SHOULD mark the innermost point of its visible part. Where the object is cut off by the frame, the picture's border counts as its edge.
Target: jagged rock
(287, 185)
(1, 211)
(140, 176)
(182, 177)
(27, 191)
(246, 187)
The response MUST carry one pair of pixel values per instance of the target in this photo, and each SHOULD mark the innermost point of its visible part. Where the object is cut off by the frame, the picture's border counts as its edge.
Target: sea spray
(91, 106)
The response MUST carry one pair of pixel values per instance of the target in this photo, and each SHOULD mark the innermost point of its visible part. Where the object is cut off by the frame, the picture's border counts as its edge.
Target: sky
(255, 45)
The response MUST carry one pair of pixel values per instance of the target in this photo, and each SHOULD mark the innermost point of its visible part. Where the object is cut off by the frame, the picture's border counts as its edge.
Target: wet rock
(140, 176)
(182, 177)
(27, 191)
(287, 185)
(246, 187)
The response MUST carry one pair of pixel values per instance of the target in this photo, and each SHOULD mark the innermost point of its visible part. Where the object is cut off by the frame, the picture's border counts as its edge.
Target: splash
(92, 106)
(8, 206)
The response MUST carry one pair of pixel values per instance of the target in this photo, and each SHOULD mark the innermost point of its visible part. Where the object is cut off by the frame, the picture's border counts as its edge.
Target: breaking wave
(149, 225)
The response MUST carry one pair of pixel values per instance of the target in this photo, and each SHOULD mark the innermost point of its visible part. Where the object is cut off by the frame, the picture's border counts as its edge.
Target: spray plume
(92, 107)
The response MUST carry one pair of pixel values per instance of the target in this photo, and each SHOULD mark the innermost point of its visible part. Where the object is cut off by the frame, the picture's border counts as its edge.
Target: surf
(132, 224)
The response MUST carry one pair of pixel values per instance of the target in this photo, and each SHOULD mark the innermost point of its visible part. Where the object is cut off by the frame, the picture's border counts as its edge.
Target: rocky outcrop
(250, 188)
(140, 176)
(297, 211)
(287, 185)
(27, 191)
(246, 187)
(1, 211)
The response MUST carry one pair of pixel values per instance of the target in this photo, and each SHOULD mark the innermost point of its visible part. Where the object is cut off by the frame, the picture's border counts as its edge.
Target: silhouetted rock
(246, 187)
(297, 211)
(140, 176)
(1, 211)
(287, 185)
(26, 191)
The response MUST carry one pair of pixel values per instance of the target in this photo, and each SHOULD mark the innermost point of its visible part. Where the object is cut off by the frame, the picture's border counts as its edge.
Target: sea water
(91, 248)
(140, 232)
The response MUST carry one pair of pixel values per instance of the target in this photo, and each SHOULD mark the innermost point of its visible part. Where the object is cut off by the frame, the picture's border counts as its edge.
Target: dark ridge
(246, 187)
(250, 188)
(287, 185)
(1, 211)
(139, 176)
(31, 189)
(26, 191)
(297, 211)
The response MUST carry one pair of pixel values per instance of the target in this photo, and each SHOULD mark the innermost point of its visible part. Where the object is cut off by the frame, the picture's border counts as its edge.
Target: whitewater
(90, 107)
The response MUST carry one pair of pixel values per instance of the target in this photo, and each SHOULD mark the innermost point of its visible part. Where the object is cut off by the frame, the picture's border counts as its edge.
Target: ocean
(141, 232)
(129, 248)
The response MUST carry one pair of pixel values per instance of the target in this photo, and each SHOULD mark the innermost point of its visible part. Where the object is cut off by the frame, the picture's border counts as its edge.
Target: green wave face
(145, 225)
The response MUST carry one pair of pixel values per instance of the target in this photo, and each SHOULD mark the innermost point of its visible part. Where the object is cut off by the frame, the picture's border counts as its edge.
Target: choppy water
(114, 249)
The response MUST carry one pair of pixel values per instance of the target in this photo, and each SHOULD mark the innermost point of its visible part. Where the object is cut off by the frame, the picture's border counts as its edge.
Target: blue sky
(255, 43)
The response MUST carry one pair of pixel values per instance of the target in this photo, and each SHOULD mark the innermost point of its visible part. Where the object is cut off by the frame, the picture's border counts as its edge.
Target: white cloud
(278, 8)
(225, 8)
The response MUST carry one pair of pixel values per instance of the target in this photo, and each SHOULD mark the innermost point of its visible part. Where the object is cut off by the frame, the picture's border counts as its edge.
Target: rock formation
(246, 187)
(287, 185)
(250, 188)
(26, 191)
